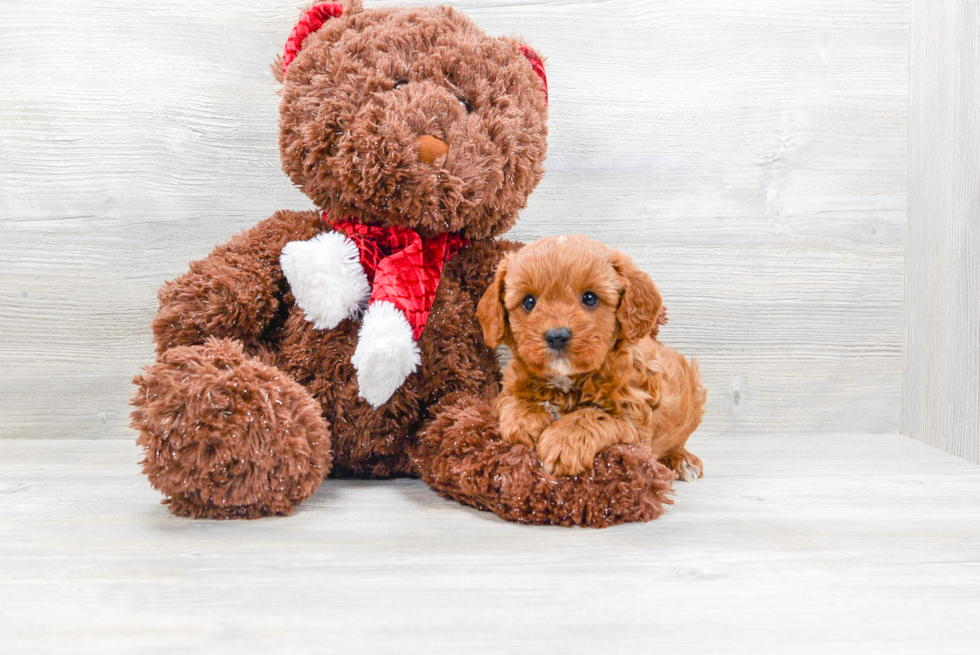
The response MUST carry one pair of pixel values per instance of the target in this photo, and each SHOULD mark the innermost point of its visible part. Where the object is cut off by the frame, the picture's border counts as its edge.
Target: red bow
(402, 267)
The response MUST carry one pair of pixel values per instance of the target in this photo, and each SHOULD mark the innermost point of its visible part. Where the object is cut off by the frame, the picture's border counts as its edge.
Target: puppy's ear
(491, 311)
(640, 311)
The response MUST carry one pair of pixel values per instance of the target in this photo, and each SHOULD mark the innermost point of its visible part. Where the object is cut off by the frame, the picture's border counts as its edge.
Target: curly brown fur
(368, 85)
(226, 436)
(586, 372)
(466, 460)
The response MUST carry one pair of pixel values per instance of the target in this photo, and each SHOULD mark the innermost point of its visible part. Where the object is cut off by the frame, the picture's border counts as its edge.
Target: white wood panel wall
(942, 384)
(750, 154)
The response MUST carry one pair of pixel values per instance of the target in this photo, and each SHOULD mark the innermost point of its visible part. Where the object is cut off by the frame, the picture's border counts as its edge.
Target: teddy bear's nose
(431, 148)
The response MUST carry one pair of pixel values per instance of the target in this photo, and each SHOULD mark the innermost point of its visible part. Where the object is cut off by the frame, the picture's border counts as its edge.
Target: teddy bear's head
(411, 117)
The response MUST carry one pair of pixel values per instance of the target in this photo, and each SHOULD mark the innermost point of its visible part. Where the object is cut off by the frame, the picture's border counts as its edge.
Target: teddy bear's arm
(234, 292)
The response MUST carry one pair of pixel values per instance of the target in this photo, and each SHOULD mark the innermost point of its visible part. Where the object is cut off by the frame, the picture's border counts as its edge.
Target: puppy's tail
(696, 395)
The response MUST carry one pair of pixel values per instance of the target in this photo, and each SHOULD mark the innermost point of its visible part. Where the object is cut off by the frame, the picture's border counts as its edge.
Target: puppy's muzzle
(558, 339)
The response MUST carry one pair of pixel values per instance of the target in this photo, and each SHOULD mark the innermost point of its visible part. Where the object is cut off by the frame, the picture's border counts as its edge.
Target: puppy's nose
(558, 339)
(431, 148)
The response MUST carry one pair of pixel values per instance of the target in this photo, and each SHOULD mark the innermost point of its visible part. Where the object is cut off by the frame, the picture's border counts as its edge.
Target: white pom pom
(326, 278)
(386, 353)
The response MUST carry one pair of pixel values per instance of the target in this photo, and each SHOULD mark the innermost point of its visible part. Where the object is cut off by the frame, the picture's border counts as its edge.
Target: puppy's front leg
(521, 421)
(569, 445)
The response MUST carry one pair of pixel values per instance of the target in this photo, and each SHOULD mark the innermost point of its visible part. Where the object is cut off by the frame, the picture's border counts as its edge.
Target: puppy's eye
(400, 83)
(528, 303)
(467, 105)
(589, 299)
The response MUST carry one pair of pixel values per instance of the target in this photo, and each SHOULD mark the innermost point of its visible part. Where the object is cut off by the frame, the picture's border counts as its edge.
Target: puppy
(588, 371)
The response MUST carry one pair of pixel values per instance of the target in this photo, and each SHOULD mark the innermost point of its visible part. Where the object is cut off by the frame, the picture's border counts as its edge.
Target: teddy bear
(343, 341)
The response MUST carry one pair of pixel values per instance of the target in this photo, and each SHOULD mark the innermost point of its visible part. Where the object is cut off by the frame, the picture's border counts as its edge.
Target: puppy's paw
(687, 466)
(564, 451)
(688, 472)
(526, 433)
(521, 423)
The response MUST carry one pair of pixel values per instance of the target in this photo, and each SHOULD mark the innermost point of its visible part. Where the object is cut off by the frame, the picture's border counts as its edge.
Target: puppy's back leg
(682, 404)
(687, 465)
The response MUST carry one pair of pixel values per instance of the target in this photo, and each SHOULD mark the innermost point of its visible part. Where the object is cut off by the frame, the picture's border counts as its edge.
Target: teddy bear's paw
(386, 353)
(326, 278)
(226, 436)
(461, 456)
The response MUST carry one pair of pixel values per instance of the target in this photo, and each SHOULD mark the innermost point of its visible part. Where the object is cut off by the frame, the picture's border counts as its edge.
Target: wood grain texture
(750, 154)
(942, 315)
(791, 544)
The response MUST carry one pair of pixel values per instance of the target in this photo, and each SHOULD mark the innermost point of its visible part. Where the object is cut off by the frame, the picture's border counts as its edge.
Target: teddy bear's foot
(462, 456)
(226, 436)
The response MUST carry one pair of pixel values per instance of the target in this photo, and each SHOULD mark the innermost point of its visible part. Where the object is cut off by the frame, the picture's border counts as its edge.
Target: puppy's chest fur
(560, 395)
(616, 396)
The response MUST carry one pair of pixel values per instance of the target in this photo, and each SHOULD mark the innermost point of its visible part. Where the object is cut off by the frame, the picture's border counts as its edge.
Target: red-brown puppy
(588, 371)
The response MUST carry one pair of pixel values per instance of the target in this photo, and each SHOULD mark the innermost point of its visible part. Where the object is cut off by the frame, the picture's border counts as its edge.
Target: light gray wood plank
(791, 544)
(749, 154)
(942, 315)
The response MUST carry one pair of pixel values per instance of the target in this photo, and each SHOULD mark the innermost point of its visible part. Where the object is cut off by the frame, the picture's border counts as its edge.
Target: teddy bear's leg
(465, 459)
(227, 436)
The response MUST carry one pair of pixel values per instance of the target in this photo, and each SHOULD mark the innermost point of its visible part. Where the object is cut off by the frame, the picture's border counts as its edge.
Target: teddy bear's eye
(400, 83)
(528, 303)
(589, 299)
(467, 105)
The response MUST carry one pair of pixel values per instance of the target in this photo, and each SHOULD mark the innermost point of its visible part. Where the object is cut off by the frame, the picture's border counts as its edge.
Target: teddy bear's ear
(351, 7)
(313, 18)
(538, 65)
(491, 311)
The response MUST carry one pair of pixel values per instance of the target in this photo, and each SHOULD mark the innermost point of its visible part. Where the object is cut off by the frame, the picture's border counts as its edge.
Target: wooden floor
(823, 544)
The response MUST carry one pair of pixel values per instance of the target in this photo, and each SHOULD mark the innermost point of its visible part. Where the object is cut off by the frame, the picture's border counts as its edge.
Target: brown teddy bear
(344, 341)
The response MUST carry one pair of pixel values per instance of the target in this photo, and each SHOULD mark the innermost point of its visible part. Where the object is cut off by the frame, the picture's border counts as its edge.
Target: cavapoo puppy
(588, 371)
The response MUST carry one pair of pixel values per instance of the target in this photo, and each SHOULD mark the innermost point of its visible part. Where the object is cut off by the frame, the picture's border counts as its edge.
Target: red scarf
(402, 267)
